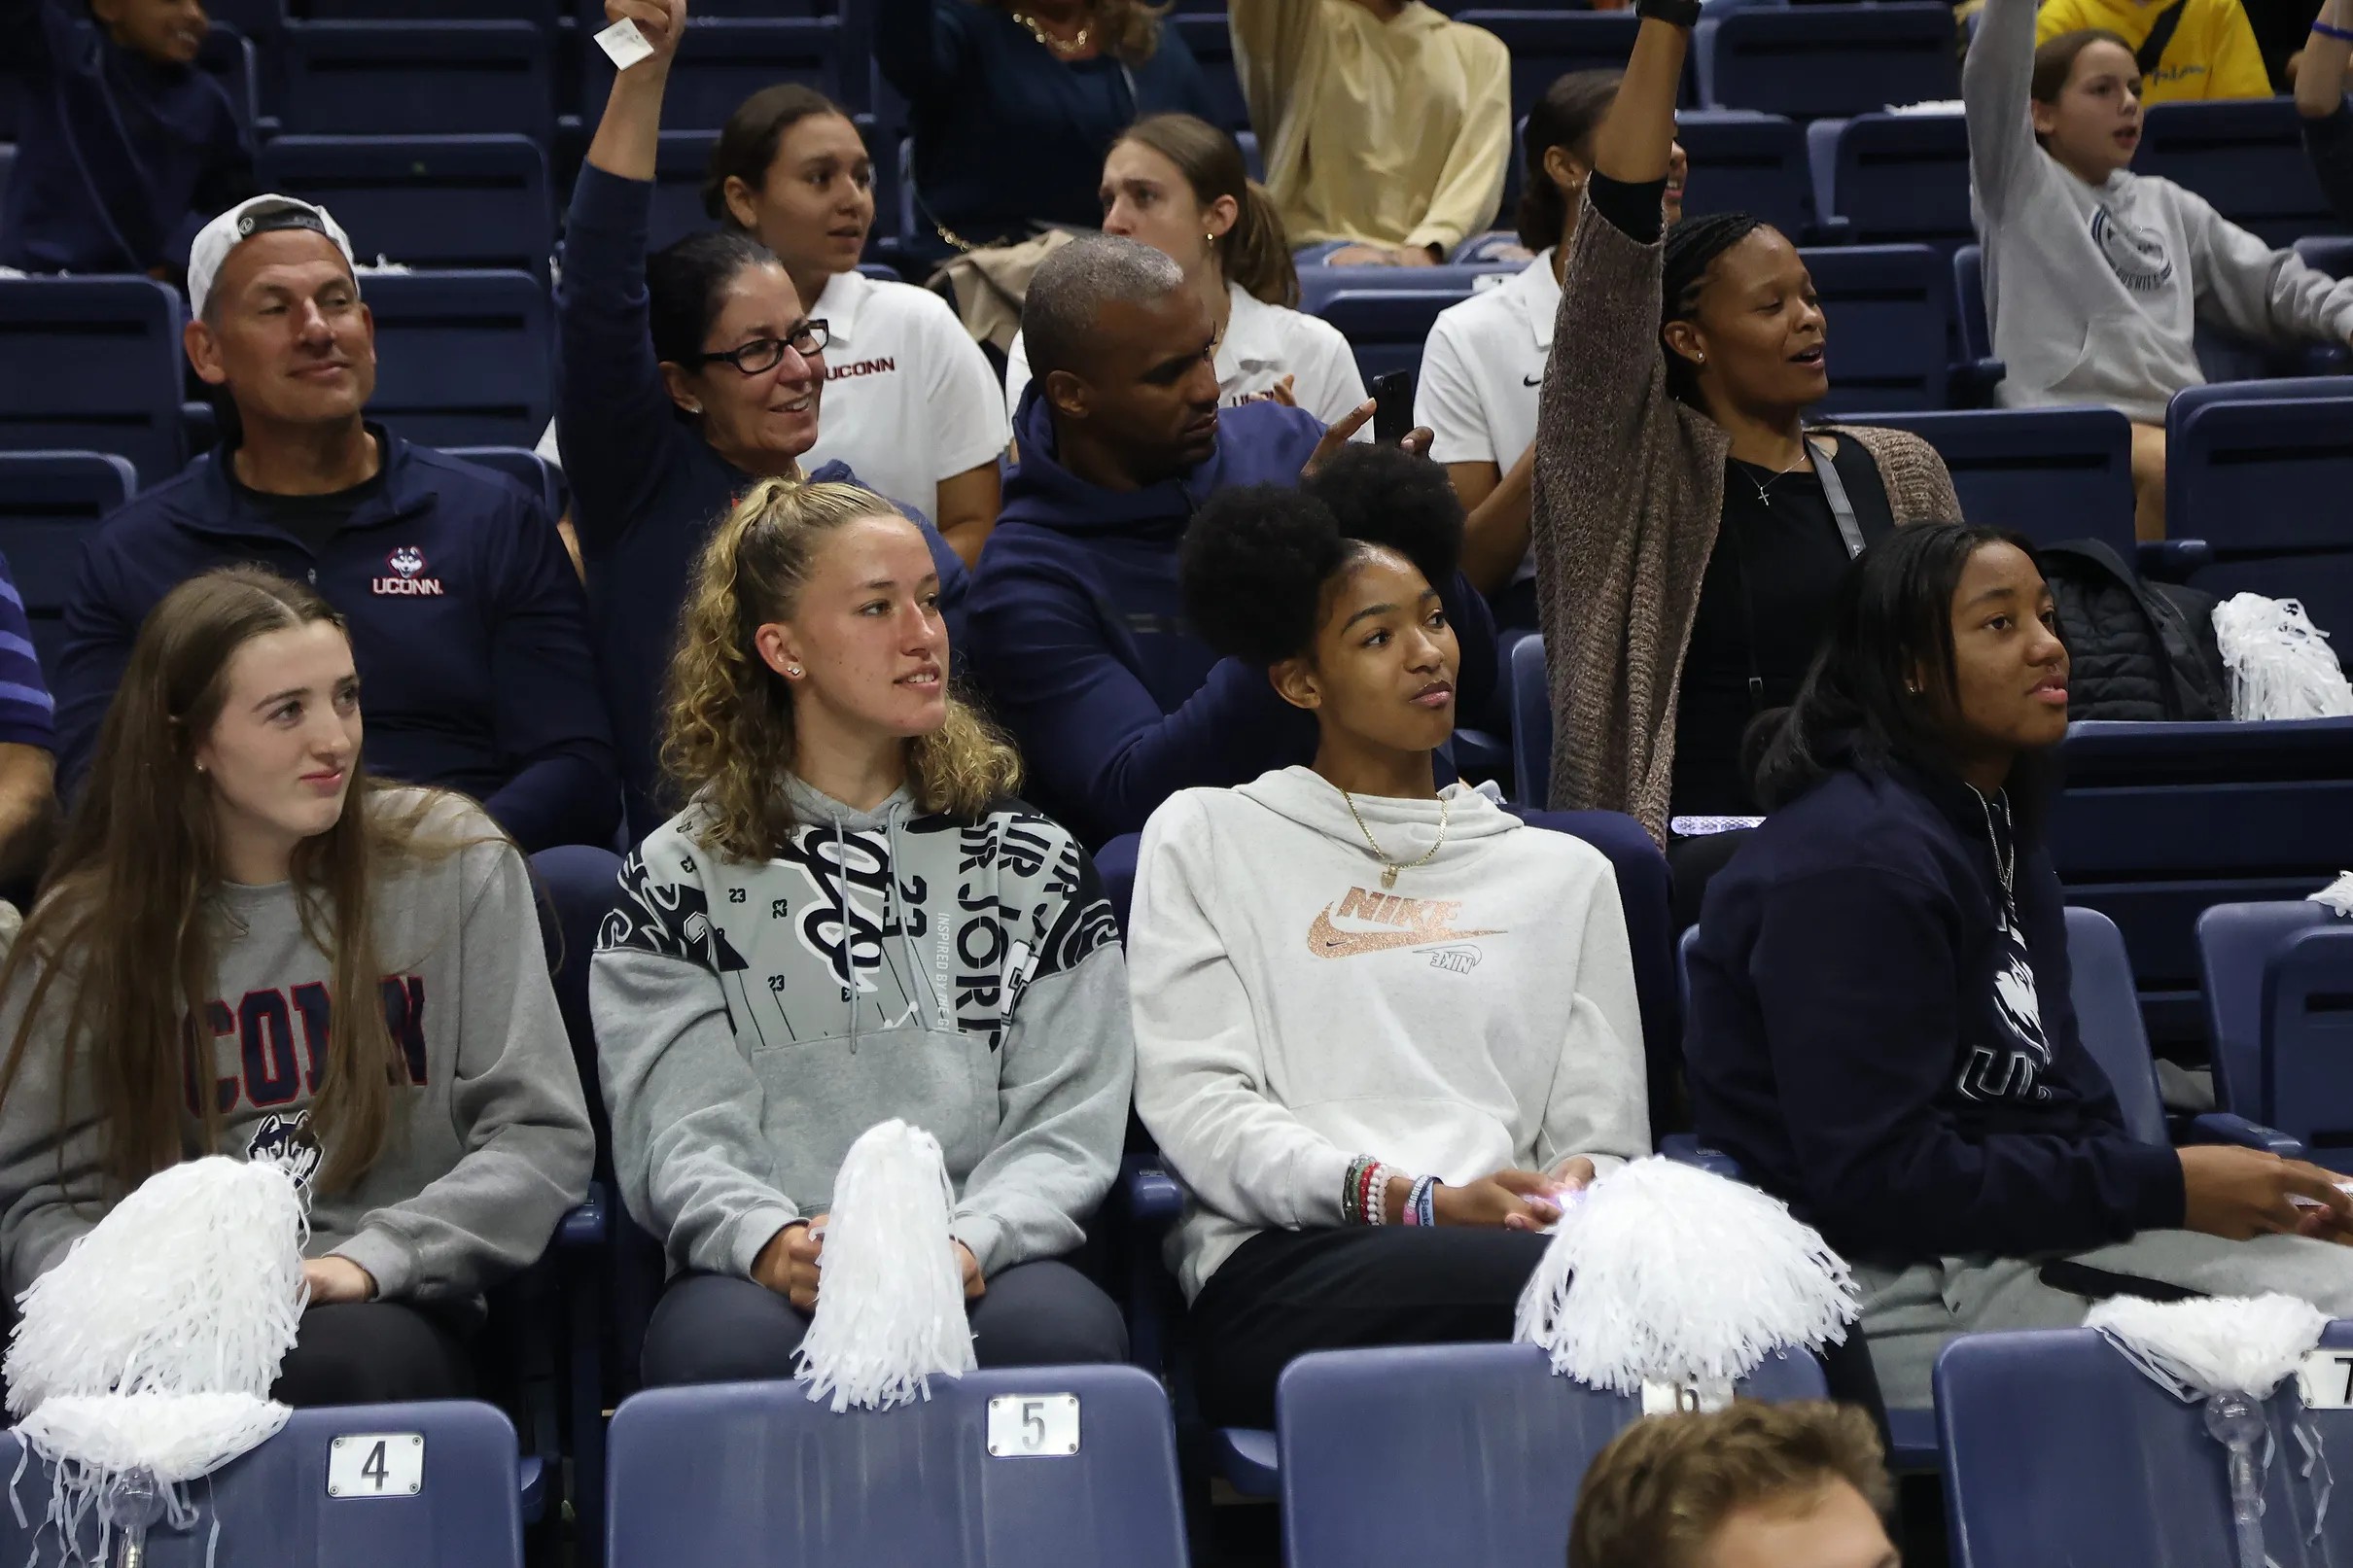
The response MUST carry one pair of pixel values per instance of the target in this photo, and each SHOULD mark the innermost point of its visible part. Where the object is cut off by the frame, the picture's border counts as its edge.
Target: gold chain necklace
(1389, 868)
(1075, 45)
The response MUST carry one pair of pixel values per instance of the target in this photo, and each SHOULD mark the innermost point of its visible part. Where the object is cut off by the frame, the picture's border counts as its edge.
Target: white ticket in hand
(624, 45)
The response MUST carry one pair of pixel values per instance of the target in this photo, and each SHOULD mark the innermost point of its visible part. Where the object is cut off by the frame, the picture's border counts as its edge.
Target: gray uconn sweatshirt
(490, 1141)
(2095, 291)
(752, 1018)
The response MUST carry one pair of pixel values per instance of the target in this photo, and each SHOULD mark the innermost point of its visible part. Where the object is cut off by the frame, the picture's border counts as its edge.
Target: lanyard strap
(1833, 491)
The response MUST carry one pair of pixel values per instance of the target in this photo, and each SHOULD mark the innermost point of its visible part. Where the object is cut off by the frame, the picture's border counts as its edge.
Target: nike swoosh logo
(1328, 941)
(1534, 380)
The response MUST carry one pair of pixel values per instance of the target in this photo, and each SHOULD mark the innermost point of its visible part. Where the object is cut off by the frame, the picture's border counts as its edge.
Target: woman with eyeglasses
(688, 376)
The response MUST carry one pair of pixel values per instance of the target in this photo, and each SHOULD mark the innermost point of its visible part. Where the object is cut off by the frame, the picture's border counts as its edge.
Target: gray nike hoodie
(490, 1143)
(2094, 292)
(752, 1018)
(1291, 1013)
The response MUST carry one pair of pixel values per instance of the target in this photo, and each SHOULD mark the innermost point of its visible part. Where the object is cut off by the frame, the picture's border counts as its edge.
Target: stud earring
(793, 671)
(695, 409)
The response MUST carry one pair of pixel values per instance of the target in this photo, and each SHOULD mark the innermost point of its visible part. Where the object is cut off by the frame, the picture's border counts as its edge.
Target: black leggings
(1283, 1292)
(717, 1329)
(376, 1353)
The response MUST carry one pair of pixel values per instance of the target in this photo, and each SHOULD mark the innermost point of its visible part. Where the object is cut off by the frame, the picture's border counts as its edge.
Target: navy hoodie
(647, 489)
(120, 158)
(1080, 642)
(467, 628)
(1868, 1037)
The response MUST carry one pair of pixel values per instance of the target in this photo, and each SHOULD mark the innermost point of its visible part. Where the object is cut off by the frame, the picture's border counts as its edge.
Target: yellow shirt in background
(1382, 132)
(2213, 53)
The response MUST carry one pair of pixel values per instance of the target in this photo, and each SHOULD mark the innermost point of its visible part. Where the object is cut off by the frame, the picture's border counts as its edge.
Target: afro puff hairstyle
(1256, 559)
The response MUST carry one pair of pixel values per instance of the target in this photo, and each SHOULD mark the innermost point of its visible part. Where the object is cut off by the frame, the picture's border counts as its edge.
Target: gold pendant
(1388, 876)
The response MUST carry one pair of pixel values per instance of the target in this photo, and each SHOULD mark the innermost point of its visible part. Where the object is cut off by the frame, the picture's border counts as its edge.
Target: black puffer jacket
(2139, 651)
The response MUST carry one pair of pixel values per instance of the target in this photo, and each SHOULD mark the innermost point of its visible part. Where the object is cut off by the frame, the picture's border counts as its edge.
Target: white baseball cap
(256, 215)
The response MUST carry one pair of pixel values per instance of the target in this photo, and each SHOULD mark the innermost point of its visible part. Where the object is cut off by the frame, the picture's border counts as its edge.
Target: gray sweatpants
(1909, 1314)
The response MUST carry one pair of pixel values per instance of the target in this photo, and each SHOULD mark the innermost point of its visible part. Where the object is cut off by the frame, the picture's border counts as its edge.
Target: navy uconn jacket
(1885, 1040)
(468, 628)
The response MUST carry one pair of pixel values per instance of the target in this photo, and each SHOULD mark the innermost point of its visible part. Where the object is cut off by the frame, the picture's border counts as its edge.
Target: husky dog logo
(407, 575)
(286, 1143)
(2013, 1070)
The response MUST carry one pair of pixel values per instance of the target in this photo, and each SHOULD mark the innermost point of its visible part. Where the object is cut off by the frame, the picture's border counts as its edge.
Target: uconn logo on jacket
(405, 575)
(280, 1050)
(2011, 1065)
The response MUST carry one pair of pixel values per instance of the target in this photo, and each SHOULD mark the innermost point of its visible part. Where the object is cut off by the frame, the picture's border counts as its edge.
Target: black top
(1763, 604)
(2329, 142)
(1767, 594)
(311, 519)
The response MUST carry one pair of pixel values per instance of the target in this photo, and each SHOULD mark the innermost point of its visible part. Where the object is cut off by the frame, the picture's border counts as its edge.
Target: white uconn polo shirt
(909, 399)
(1481, 369)
(1262, 344)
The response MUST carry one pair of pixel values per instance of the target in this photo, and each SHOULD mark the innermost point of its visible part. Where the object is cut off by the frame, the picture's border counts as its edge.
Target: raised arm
(1996, 83)
(2320, 98)
(613, 416)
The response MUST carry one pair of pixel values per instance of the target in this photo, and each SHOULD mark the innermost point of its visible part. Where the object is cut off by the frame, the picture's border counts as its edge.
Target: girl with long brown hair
(1178, 185)
(247, 947)
(852, 919)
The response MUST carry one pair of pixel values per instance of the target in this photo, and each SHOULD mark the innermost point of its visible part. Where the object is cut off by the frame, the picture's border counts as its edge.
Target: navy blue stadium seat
(591, 13)
(757, 1473)
(1531, 724)
(1386, 327)
(92, 365)
(426, 201)
(1746, 162)
(1206, 35)
(679, 167)
(229, 56)
(528, 470)
(723, 60)
(2050, 473)
(1547, 44)
(2246, 156)
(2332, 254)
(2157, 823)
(274, 1508)
(1318, 284)
(2279, 1011)
(2262, 470)
(419, 78)
(2059, 1451)
(1888, 308)
(1812, 61)
(462, 357)
(1477, 1452)
(1969, 302)
(544, 12)
(8, 162)
(1893, 179)
(49, 503)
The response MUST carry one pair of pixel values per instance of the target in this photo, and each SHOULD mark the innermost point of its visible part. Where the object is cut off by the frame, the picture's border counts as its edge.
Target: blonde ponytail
(728, 734)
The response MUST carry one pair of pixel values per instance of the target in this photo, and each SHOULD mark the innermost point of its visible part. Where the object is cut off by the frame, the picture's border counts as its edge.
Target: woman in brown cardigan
(1689, 532)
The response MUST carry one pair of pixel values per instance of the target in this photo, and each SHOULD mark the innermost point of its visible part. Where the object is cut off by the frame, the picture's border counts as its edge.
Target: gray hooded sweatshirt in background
(2094, 292)
(752, 1018)
(490, 1143)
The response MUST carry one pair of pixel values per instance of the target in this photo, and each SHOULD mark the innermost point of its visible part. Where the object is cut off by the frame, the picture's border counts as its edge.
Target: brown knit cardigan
(1629, 492)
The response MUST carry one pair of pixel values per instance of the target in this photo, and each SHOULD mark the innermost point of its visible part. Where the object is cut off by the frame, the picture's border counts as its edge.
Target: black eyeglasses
(767, 353)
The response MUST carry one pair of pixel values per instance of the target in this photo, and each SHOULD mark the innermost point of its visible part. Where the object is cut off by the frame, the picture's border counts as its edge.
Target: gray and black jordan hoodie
(752, 1018)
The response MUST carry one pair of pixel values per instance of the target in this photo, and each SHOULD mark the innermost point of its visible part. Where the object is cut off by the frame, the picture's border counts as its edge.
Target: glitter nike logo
(1410, 923)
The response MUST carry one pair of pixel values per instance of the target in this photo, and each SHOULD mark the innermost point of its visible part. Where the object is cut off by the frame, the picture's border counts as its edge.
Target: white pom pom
(891, 1299)
(174, 1437)
(2225, 1344)
(2337, 894)
(191, 1284)
(1665, 1273)
(2281, 664)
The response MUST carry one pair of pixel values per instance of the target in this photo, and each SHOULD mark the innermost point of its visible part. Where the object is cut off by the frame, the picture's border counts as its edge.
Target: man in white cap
(468, 624)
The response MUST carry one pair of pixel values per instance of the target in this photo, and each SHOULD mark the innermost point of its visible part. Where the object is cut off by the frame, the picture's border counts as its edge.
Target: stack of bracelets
(1364, 1195)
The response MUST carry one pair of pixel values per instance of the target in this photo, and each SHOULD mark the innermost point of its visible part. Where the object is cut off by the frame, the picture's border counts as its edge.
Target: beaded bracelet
(1352, 1190)
(2327, 30)
(1376, 1194)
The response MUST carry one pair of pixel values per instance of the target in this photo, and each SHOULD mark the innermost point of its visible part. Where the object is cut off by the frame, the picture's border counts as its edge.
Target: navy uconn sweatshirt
(468, 627)
(1079, 637)
(1886, 1042)
(119, 159)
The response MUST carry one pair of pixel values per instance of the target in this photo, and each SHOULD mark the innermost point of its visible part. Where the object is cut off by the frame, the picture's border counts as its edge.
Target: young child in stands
(852, 919)
(1880, 1026)
(248, 947)
(123, 149)
(1383, 1029)
(2096, 278)
(1800, 1486)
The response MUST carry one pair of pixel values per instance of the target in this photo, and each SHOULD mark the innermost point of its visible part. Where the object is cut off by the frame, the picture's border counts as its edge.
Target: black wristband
(1683, 13)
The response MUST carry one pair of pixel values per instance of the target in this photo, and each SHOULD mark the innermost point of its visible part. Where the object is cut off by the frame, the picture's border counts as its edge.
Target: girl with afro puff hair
(1689, 532)
(1383, 1029)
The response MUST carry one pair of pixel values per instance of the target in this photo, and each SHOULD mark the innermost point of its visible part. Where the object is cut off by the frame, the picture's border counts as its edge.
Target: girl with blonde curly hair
(852, 919)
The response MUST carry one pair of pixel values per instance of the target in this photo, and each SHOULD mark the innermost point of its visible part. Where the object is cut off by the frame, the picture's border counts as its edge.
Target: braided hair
(1692, 248)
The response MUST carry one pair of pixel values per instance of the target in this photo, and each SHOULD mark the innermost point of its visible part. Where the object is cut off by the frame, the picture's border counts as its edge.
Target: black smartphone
(1396, 416)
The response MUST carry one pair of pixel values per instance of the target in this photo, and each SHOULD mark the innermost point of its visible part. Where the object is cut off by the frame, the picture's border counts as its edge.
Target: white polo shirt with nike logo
(1480, 370)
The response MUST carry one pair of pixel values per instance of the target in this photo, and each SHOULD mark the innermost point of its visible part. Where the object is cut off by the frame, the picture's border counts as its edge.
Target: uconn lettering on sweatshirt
(270, 1069)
